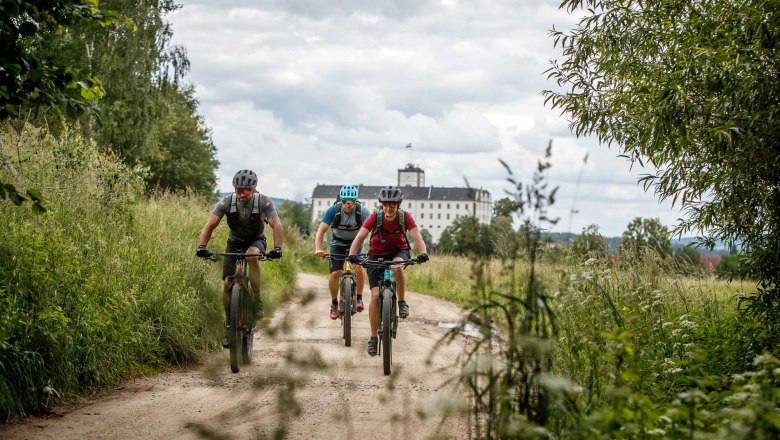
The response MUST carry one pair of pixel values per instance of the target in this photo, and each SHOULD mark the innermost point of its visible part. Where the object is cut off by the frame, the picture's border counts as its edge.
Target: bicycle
(388, 307)
(347, 302)
(241, 314)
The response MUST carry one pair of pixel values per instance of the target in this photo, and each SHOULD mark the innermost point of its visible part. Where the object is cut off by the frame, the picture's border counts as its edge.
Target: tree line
(107, 69)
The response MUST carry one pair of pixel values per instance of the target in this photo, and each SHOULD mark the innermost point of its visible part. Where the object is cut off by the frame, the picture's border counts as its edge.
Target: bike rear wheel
(347, 288)
(387, 330)
(234, 327)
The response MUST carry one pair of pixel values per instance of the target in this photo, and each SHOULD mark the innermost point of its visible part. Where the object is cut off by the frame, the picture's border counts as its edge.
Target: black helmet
(245, 179)
(391, 194)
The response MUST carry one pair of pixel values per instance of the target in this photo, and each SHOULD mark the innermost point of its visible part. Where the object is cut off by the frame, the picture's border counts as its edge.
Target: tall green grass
(105, 285)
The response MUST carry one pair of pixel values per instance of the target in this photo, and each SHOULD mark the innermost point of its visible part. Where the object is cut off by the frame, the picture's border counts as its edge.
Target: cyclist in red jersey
(388, 242)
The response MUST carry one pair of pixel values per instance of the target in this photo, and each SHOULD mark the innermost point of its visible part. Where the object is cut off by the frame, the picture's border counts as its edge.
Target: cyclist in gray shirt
(247, 212)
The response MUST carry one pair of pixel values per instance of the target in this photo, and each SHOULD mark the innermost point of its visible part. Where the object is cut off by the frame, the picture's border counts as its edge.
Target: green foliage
(466, 236)
(590, 243)
(642, 234)
(148, 117)
(295, 214)
(28, 78)
(691, 89)
(427, 239)
(729, 267)
(504, 207)
(505, 376)
(686, 259)
(8, 191)
(105, 285)
(186, 156)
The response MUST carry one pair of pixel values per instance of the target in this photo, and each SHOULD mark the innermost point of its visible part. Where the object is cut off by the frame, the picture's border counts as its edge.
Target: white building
(433, 208)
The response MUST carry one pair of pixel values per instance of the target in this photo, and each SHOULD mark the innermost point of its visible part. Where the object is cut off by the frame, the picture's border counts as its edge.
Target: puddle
(468, 329)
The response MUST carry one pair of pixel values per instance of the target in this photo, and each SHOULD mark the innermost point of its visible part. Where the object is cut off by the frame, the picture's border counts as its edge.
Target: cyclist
(388, 226)
(345, 218)
(247, 210)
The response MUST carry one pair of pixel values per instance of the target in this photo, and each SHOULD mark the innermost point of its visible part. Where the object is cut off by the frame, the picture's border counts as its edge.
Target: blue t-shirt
(342, 237)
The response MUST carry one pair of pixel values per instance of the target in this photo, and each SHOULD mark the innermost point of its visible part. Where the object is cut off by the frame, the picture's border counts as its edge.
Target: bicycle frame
(240, 313)
(346, 307)
(387, 313)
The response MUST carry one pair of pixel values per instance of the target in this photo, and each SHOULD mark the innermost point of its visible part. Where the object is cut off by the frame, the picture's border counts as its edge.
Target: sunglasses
(390, 203)
(348, 203)
(244, 192)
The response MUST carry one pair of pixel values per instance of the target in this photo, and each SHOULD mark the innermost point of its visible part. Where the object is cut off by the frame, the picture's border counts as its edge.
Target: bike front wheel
(387, 330)
(347, 289)
(234, 327)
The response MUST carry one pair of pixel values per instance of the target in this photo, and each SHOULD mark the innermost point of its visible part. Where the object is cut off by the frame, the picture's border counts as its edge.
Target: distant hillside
(614, 242)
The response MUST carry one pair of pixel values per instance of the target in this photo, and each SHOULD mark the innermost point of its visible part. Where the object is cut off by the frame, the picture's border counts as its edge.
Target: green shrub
(105, 285)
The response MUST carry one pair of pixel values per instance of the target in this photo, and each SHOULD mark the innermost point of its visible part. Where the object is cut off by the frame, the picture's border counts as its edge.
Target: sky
(308, 92)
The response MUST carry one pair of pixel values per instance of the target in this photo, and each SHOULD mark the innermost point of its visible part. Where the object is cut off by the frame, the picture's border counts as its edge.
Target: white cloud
(309, 92)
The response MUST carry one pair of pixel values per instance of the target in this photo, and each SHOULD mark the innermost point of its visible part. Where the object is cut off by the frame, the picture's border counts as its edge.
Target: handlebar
(334, 257)
(365, 262)
(262, 256)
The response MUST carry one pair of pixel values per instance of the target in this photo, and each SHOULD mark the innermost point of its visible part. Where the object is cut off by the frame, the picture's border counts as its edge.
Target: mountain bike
(388, 307)
(347, 297)
(241, 310)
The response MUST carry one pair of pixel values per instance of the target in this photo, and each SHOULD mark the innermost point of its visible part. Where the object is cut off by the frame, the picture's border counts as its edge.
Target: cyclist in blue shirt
(345, 218)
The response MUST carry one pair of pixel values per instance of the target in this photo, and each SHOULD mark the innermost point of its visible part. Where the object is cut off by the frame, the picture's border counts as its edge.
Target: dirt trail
(302, 380)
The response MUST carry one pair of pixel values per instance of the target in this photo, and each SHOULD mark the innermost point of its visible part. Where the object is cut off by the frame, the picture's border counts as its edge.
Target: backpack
(401, 220)
(336, 224)
(255, 217)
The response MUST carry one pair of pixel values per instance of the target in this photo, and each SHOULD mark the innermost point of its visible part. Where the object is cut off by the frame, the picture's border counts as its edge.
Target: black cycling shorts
(376, 274)
(339, 249)
(238, 246)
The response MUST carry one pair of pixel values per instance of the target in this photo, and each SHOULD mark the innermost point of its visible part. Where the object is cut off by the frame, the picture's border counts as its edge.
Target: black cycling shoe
(372, 346)
(403, 309)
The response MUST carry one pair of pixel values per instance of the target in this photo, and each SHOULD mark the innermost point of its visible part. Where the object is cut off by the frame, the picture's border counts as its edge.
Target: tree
(643, 234)
(295, 214)
(147, 116)
(427, 239)
(467, 236)
(590, 243)
(446, 242)
(29, 80)
(504, 207)
(690, 88)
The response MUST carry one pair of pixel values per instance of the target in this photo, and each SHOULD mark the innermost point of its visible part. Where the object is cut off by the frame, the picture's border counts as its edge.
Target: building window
(319, 202)
(422, 205)
(439, 216)
(457, 206)
(439, 205)
(448, 216)
(448, 206)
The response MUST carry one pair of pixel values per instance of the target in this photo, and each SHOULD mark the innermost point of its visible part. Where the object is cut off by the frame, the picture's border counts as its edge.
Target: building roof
(370, 192)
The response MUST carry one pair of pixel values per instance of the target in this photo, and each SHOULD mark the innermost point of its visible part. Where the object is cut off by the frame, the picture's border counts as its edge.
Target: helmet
(390, 194)
(348, 192)
(245, 179)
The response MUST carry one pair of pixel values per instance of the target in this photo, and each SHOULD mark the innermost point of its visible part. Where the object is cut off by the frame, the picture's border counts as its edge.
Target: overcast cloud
(309, 91)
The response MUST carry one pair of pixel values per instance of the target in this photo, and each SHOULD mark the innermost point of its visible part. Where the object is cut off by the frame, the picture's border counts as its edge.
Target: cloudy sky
(312, 91)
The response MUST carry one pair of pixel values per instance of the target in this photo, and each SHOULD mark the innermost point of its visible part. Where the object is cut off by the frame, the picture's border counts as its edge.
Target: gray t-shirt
(258, 204)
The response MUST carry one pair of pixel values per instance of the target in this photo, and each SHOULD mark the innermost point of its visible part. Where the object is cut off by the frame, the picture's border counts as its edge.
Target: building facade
(433, 208)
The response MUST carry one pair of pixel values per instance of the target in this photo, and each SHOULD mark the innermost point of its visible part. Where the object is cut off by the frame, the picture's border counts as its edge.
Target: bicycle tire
(387, 330)
(347, 288)
(247, 335)
(234, 327)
